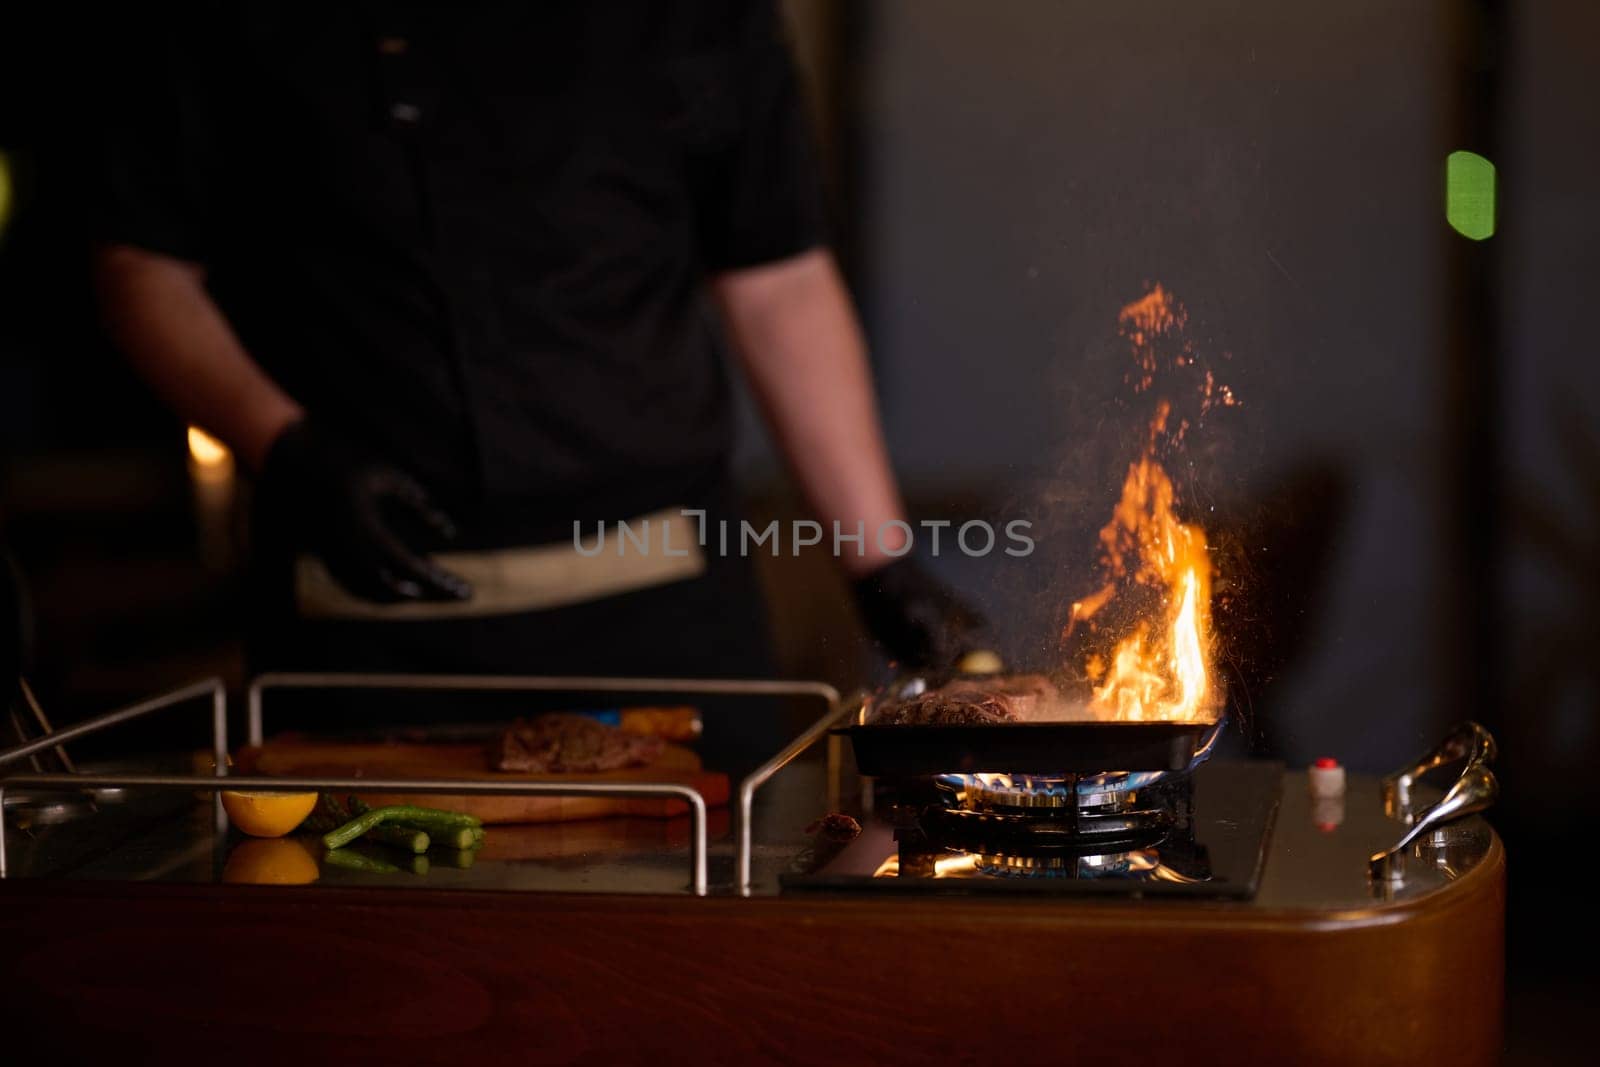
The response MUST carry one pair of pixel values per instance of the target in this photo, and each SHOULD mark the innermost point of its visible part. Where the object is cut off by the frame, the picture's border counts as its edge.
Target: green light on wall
(1469, 195)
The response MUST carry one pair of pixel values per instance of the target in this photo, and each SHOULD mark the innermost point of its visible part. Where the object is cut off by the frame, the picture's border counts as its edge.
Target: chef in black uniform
(453, 277)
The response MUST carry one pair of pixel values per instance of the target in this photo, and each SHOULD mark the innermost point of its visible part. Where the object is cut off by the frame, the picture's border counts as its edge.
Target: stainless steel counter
(1317, 859)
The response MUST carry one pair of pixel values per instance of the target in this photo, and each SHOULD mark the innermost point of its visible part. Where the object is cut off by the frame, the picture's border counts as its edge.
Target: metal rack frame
(258, 687)
(523, 683)
(212, 687)
(690, 687)
(745, 849)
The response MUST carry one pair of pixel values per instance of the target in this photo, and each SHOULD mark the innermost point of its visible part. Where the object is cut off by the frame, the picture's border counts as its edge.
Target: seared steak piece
(559, 741)
(974, 701)
(836, 826)
(943, 709)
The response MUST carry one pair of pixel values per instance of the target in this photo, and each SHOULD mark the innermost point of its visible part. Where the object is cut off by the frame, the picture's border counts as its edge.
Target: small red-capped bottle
(1326, 778)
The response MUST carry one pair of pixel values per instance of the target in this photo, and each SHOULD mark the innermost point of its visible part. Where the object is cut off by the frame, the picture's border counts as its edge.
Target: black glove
(919, 621)
(320, 494)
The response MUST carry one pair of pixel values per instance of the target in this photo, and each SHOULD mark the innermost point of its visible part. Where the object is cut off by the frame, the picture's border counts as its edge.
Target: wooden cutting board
(403, 759)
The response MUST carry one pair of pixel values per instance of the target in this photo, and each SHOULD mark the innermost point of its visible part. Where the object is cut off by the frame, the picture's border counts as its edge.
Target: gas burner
(1104, 865)
(1106, 833)
(1033, 794)
(1064, 830)
(1048, 815)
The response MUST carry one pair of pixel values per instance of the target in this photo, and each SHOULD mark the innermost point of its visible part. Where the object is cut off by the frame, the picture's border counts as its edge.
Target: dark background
(1408, 500)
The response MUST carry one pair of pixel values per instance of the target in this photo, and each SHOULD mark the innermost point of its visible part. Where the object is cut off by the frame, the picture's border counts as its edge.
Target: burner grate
(1067, 830)
(1049, 815)
(1199, 834)
(1039, 794)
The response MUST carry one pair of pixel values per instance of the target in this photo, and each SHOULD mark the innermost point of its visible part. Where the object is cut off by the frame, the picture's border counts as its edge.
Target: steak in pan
(977, 701)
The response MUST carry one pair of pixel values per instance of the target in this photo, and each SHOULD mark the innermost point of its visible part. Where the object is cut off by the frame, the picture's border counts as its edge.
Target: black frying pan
(1026, 747)
(1072, 747)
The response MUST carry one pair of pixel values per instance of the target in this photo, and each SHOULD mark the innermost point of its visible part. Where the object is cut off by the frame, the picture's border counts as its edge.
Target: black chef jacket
(472, 236)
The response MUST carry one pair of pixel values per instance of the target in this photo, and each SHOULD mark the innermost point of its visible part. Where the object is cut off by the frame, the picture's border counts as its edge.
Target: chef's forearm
(176, 337)
(796, 332)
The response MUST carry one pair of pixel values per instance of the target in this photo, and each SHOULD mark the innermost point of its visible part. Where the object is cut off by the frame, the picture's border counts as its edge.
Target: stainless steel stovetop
(1243, 835)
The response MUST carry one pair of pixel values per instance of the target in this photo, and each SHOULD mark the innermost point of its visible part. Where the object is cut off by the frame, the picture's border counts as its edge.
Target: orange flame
(1160, 667)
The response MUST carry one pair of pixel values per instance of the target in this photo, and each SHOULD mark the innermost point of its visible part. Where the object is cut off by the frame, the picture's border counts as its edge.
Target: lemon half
(267, 814)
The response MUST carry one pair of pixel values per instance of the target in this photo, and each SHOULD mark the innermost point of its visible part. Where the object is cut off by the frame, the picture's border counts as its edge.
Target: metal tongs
(1474, 790)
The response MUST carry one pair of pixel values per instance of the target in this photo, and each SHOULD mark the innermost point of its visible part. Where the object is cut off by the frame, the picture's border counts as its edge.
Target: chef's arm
(320, 495)
(796, 333)
(176, 337)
